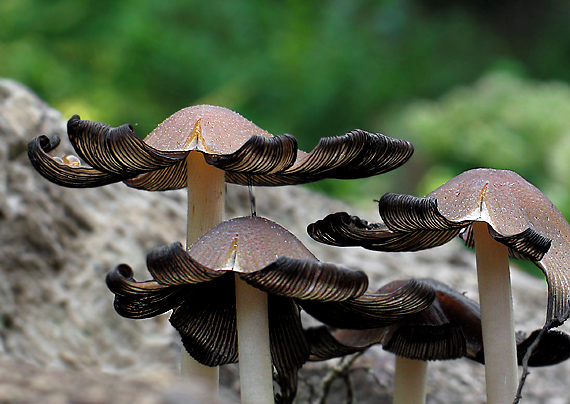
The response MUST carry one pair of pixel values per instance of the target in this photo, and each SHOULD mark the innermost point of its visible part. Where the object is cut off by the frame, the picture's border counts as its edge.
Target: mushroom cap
(374, 309)
(246, 153)
(501, 198)
(520, 216)
(449, 328)
(246, 244)
(206, 128)
(264, 254)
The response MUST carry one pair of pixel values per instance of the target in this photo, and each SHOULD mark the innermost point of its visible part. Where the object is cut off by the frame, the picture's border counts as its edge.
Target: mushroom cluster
(236, 289)
(202, 148)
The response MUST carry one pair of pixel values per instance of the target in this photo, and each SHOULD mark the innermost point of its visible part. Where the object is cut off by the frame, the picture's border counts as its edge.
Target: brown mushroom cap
(264, 254)
(374, 309)
(247, 154)
(247, 244)
(502, 198)
(206, 128)
(449, 328)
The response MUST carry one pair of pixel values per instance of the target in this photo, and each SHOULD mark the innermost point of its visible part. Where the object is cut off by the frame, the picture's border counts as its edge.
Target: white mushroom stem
(410, 381)
(496, 301)
(255, 369)
(206, 198)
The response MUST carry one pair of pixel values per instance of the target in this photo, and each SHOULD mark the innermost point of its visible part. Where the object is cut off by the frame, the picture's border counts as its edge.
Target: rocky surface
(61, 341)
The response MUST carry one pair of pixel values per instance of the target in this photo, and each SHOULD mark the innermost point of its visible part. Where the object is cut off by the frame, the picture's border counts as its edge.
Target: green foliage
(309, 68)
(314, 69)
(502, 121)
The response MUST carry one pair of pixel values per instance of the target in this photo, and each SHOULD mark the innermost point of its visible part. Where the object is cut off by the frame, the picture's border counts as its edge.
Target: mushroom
(202, 147)
(235, 292)
(501, 215)
(432, 334)
(246, 154)
(449, 328)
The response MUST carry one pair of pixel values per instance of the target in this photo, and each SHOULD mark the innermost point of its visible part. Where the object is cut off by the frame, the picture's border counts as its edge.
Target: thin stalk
(495, 298)
(410, 381)
(206, 198)
(255, 369)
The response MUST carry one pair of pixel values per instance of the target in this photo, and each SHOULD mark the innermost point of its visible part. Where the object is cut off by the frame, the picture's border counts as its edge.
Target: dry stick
(368, 370)
(349, 388)
(206, 203)
(525, 371)
(310, 386)
(342, 368)
(496, 316)
(410, 381)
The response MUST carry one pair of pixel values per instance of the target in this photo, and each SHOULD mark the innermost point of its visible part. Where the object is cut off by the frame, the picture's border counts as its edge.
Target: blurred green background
(471, 82)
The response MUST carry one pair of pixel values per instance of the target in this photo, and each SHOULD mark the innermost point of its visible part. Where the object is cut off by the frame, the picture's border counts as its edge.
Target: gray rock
(57, 323)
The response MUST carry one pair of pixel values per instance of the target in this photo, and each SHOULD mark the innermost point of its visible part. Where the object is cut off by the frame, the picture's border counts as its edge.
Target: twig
(310, 387)
(525, 360)
(342, 369)
(371, 372)
(349, 387)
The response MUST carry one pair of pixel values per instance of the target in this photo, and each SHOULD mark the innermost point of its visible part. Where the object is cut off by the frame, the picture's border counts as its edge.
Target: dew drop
(72, 160)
